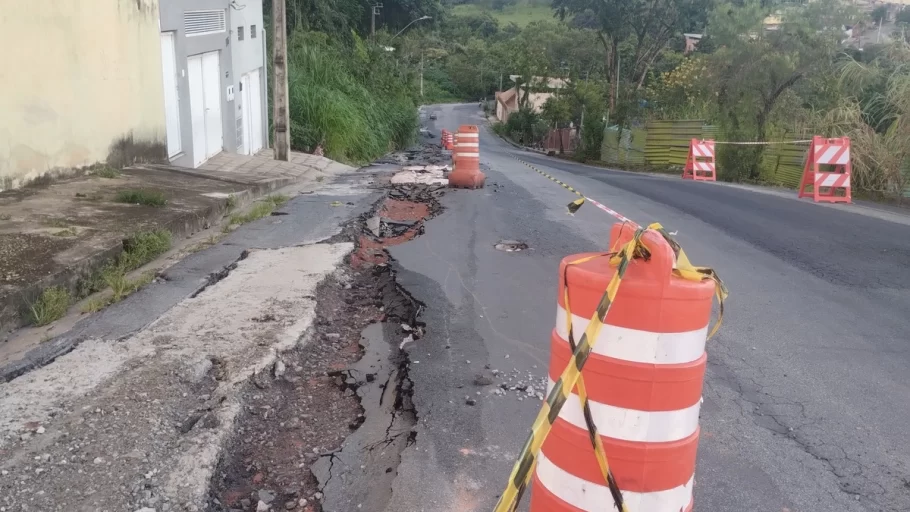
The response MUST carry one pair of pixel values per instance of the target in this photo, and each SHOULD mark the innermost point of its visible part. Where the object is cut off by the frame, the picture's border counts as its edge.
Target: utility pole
(376, 8)
(500, 81)
(421, 74)
(281, 113)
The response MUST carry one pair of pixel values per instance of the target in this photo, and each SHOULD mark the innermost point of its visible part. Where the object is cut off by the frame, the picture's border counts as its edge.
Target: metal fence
(666, 144)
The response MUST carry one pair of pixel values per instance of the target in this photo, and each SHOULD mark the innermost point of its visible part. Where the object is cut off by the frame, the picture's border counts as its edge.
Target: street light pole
(411, 23)
(375, 12)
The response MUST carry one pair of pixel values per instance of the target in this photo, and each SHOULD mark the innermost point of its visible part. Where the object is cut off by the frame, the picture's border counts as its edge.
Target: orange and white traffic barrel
(466, 158)
(644, 382)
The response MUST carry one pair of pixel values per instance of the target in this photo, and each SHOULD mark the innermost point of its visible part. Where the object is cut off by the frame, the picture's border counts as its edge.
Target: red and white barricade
(827, 171)
(700, 164)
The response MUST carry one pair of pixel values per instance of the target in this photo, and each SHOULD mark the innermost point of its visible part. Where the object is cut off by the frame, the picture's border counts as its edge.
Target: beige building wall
(80, 83)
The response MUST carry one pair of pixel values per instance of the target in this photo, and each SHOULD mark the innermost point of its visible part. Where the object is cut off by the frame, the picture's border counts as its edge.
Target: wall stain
(128, 150)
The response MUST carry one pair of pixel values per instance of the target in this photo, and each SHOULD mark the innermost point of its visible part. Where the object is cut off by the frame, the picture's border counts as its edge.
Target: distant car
(433, 116)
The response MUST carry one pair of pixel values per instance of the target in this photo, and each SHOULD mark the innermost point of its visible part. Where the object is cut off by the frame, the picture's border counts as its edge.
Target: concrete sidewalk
(59, 232)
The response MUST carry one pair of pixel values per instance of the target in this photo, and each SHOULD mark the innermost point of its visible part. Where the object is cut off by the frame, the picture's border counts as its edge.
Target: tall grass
(347, 99)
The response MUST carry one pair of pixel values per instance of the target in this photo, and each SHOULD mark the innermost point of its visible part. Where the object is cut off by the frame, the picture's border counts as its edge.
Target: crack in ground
(214, 277)
(324, 399)
(791, 426)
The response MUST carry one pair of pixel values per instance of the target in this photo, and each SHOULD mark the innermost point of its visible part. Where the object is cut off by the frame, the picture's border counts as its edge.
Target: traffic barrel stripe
(639, 345)
(576, 495)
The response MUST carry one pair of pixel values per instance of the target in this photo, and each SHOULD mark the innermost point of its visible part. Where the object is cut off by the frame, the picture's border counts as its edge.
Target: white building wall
(249, 55)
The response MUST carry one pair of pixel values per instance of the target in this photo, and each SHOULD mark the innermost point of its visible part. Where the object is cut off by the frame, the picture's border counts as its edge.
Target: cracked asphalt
(806, 403)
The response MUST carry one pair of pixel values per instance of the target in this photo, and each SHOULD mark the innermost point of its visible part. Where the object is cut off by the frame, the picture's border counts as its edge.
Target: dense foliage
(347, 99)
(758, 70)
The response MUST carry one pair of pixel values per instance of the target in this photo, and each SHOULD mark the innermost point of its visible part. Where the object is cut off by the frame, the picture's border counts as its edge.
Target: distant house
(542, 89)
(213, 64)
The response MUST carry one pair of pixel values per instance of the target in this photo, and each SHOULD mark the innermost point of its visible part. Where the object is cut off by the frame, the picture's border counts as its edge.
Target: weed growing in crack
(95, 304)
(56, 223)
(142, 197)
(278, 199)
(262, 208)
(50, 305)
(231, 202)
(143, 247)
(67, 232)
(138, 250)
(105, 171)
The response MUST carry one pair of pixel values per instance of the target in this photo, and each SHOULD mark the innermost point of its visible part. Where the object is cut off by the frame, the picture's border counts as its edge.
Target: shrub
(143, 247)
(50, 305)
(347, 99)
(143, 197)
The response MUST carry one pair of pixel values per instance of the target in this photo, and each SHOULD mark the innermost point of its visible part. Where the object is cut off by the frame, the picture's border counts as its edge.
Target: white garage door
(252, 112)
(205, 105)
(171, 97)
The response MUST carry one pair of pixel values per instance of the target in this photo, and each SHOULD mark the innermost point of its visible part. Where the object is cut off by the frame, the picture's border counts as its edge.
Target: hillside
(521, 13)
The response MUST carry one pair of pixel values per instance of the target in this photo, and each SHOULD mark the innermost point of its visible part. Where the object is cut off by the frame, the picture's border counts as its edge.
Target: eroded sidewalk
(58, 232)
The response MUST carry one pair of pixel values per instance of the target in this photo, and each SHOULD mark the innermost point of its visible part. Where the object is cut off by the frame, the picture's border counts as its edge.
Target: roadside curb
(43, 354)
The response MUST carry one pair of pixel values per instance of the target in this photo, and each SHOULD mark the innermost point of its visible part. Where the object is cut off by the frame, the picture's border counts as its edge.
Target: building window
(252, 31)
(240, 33)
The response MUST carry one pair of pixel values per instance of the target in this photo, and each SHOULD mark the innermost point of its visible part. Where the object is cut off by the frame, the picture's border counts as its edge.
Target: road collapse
(338, 407)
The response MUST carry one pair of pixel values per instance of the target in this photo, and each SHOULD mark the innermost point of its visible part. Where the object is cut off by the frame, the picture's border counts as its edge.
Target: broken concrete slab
(360, 475)
(108, 400)
(420, 177)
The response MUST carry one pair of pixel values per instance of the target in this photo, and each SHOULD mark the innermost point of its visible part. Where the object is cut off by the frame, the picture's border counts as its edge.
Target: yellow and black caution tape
(596, 441)
(571, 375)
(574, 205)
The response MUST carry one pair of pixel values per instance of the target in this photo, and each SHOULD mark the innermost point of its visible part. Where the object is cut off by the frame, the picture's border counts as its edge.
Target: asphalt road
(806, 403)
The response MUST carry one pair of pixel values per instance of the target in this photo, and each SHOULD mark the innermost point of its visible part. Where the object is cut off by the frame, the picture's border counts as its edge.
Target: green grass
(67, 232)
(57, 223)
(50, 305)
(143, 247)
(262, 208)
(105, 171)
(143, 197)
(351, 101)
(520, 14)
(138, 250)
(95, 304)
(121, 288)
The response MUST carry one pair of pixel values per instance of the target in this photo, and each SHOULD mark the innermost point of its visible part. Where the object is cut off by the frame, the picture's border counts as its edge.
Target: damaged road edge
(327, 433)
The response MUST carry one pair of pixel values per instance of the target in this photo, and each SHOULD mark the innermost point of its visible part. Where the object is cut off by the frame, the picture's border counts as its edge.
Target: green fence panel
(668, 141)
(624, 147)
(783, 164)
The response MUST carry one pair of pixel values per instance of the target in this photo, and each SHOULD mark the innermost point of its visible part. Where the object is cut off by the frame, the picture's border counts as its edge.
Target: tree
(650, 24)
(753, 68)
(875, 114)
(557, 111)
